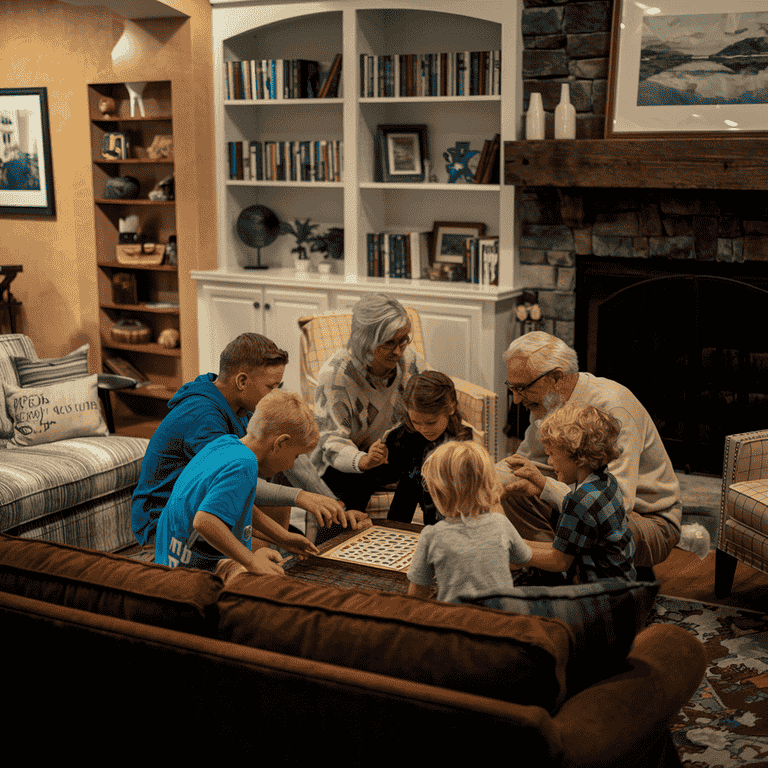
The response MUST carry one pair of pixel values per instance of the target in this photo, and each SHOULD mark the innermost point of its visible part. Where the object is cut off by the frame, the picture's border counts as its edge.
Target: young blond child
(471, 550)
(210, 513)
(591, 531)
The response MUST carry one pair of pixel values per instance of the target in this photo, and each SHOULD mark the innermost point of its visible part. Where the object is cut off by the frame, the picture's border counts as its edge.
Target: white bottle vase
(565, 115)
(534, 118)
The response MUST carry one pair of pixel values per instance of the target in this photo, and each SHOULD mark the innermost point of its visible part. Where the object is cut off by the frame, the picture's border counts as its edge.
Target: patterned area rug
(725, 724)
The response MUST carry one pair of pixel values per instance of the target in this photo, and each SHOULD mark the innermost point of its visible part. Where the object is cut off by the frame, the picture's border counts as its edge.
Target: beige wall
(64, 48)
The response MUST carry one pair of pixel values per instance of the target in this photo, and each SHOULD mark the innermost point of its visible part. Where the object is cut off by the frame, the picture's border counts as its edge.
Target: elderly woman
(359, 396)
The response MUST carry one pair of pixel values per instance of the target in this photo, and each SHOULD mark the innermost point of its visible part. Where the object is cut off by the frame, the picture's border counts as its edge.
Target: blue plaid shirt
(592, 527)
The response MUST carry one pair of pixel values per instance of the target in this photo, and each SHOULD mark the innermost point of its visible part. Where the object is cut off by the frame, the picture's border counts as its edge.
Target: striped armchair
(322, 335)
(743, 527)
(74, 491)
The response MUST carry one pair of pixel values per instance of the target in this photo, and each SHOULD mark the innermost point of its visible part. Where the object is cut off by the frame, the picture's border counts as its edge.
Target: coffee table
(319, 570)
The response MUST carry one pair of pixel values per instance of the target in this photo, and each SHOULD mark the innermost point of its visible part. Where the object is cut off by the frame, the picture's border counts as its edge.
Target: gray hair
(543, 353)
(376, 318)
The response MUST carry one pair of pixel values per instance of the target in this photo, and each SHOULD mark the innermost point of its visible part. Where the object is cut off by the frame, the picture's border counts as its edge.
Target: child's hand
(299, 545)
(266, 562)
(358, 521)
(377, 455)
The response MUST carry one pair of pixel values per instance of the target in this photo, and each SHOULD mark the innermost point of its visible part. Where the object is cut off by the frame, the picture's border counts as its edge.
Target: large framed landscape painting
(26, 169)
(685, 67)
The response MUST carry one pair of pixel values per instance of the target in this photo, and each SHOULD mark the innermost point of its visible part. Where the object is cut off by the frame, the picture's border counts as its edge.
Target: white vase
(302, 265)
(565, 115)
(534, 118)
(324, 267)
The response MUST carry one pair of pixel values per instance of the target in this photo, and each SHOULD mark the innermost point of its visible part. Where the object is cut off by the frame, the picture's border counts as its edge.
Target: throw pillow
(605, 616)
(41, 372)
(56, 412)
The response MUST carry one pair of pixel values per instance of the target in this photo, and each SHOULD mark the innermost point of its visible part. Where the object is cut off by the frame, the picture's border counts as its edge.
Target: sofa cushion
(182, 599)
(605, 616)
(45, 414)
(32, 372)
(520, 659)
(41, 480)
(11, 345)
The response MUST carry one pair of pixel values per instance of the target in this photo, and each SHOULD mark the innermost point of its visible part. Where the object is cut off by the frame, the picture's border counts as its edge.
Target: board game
(377, 547)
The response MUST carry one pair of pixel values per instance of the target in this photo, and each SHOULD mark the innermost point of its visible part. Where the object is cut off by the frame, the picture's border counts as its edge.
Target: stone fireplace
(664, 290)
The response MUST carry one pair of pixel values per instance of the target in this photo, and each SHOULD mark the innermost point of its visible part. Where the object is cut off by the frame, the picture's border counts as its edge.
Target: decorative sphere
(257, 226)
(107, 106)
(122, 188)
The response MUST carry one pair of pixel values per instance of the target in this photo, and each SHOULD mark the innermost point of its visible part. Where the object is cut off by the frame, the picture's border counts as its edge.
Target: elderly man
(542, 374)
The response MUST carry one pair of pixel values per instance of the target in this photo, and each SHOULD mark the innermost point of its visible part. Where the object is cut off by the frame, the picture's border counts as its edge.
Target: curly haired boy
(591, 533)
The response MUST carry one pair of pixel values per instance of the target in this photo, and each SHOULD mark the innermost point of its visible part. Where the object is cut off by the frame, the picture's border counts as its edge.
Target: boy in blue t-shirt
(210, 513)
(591, 531)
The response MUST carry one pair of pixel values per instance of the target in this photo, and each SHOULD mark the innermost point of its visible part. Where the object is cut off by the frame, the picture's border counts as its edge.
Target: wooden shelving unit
(154, 283)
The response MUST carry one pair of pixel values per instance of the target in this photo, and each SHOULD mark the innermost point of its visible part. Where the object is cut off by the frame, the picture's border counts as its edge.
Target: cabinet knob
(266, 306)
(256, 304)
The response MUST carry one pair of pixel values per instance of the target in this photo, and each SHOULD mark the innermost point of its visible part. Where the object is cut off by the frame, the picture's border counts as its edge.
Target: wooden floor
(683, 574)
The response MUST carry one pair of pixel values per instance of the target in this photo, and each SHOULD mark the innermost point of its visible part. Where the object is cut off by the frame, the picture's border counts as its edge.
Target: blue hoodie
(198, 414)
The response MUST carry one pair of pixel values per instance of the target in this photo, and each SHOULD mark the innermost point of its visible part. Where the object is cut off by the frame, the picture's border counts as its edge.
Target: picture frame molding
(442, 228)
(672, 121)
(45, 162)
(383, 159)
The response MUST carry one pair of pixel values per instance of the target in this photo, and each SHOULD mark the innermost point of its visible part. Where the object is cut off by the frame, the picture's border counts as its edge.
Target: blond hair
(461, 479)
(284, 413)
(586, 433)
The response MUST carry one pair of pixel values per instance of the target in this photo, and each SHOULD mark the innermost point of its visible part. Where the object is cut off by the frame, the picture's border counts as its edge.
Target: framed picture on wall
(400, 152)
(685, 67)
(26, 170)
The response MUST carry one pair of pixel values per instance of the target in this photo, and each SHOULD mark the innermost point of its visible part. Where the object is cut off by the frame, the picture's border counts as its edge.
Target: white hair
(543, 353)
(376, 318)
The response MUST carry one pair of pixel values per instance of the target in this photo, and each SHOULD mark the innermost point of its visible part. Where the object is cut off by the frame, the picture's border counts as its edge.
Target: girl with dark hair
(432, 417)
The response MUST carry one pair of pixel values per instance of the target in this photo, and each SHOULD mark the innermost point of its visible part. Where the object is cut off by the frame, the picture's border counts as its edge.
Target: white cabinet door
(224, 312)
(452, 337)
(282, 310)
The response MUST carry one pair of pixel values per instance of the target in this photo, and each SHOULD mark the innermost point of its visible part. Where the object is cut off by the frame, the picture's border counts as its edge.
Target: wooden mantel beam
(672, 163)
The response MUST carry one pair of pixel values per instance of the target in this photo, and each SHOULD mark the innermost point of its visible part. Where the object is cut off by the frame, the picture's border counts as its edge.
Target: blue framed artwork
(26, 169)
(684, 67)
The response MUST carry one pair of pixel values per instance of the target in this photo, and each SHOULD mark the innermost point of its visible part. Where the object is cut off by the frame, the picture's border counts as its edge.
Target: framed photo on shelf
(400, 153)
(26, 169)
(686, 67)
(448, 240)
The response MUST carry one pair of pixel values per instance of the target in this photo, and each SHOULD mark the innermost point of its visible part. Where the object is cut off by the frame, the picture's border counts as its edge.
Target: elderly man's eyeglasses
(518, 389)
(392, 344)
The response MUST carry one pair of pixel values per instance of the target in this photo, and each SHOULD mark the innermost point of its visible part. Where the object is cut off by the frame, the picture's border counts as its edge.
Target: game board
(377, 547)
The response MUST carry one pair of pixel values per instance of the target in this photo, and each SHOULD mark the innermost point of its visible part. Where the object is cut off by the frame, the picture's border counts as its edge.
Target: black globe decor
(257, 226)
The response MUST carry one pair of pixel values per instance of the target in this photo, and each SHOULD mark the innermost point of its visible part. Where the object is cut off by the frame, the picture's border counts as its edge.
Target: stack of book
(255, 79)
(488, 169)
(466, 73)
(286, 160)
(398, 255)
(481, 261)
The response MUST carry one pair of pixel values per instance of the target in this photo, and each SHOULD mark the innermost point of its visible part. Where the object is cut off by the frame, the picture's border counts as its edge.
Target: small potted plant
(302, 231)
(320, 246)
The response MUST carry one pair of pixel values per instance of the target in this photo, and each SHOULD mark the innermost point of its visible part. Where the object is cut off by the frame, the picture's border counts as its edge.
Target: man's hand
(530, 479)
(299, 545)
(324, 508)
(357, 521)
(265, 562)
(377, 455)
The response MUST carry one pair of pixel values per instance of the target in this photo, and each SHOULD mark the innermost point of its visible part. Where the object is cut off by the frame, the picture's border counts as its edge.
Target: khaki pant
(535, 520)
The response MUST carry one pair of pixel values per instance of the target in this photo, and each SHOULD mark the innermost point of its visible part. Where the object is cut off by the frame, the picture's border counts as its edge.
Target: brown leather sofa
(109, 658)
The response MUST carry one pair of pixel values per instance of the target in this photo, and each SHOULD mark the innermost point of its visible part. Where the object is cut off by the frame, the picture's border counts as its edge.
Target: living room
(69, 47)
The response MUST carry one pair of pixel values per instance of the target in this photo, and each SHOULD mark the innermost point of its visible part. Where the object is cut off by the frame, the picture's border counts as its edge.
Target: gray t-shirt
(470, 557)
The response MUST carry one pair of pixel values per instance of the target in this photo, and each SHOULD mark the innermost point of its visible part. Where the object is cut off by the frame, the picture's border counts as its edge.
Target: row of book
(255, 79)
(488, 168)
(466, 73)
(286, 160)
(481, 261)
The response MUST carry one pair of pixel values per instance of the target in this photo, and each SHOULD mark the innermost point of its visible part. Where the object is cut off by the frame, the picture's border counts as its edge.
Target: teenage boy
(211, 406)
(210, 513)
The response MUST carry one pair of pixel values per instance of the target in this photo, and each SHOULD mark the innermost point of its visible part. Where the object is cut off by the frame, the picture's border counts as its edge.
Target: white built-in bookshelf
(359, 202)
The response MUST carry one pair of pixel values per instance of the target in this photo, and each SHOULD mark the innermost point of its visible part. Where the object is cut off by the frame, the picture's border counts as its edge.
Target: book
(124, 368)
(330, 88)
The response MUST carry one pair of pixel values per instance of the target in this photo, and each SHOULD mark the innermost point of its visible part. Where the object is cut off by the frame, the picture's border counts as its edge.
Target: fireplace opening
(689, 338)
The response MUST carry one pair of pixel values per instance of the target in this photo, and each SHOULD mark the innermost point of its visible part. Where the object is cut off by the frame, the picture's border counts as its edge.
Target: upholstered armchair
(743, 527)
(322, 335)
